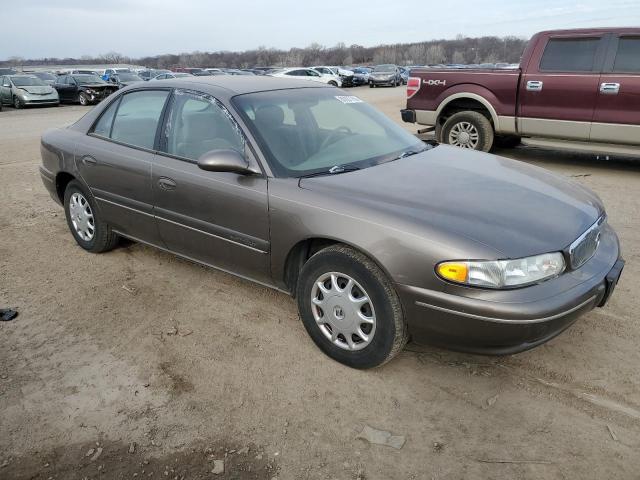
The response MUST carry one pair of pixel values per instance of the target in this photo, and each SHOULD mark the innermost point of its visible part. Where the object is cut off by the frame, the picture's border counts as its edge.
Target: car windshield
(308, 130)
(27, 81)
(385, 68)
(45, 76)
(128, 77)
(87, 79)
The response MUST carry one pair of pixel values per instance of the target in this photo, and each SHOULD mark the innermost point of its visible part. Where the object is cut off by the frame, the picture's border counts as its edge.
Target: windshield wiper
(336, 169)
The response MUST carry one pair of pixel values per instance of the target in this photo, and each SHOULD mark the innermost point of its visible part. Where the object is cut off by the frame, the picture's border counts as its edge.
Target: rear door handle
(167, 183)
(609, 88)
(89, 161)
(534, 85)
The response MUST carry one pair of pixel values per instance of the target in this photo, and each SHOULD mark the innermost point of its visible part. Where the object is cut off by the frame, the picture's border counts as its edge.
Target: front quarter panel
(406, 252)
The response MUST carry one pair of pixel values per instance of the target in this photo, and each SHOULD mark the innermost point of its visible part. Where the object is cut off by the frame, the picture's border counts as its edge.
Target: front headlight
(503, 273)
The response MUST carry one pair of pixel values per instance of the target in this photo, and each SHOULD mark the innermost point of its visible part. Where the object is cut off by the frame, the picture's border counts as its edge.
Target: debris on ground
(131, 290)
(7, 314)
(97, 454)
(381, 437)
(491, 400)
(612, 433)
(172, 331)
(132, 447)
(438, 447)
(578, 175)
(218, 467)
(537, 462)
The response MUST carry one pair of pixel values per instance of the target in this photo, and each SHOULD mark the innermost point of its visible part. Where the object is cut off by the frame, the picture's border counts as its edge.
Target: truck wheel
(507, 141)
(468, 129)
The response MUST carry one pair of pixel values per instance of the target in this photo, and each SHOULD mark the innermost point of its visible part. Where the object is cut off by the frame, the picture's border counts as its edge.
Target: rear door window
(570, 55)
(103, 125)
(628, 55)
(137, 117)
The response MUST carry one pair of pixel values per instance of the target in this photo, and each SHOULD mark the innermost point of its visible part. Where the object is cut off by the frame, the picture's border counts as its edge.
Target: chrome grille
(585, 246)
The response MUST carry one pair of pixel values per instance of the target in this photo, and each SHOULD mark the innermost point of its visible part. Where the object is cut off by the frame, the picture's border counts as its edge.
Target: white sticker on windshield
(348, 99)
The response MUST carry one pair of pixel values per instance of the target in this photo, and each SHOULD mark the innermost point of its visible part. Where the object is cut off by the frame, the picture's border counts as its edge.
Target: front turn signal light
(454, 271)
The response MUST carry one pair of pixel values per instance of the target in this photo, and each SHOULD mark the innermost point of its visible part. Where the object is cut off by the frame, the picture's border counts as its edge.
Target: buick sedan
(306, 189)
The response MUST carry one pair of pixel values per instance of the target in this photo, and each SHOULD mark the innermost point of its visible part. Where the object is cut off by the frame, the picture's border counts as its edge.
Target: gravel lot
(139, 351)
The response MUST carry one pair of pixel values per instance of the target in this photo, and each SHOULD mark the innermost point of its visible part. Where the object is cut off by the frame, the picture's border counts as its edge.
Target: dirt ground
(136, 364)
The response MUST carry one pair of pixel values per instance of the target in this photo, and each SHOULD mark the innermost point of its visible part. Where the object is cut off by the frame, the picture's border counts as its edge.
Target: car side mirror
(226, 160)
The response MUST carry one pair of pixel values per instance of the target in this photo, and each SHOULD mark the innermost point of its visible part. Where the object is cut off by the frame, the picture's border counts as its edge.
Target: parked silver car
(23, 90)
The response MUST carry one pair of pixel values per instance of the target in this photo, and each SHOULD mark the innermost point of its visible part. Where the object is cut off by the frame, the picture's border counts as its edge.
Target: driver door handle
(89, 161)
(167, 183)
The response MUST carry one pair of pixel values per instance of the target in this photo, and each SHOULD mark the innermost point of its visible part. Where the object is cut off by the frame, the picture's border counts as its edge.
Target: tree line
(461, 50)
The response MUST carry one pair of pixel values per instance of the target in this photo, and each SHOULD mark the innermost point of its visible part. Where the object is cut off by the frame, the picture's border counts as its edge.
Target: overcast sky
(71, 28)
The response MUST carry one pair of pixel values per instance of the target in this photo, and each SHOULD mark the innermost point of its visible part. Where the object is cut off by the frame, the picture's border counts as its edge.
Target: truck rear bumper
(408, 116)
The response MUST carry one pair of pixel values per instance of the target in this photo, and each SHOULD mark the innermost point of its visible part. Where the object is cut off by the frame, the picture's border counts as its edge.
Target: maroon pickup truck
(574, 89)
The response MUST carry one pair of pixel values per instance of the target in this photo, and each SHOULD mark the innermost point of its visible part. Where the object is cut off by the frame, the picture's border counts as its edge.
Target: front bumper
(40, 99)
(511, 321)
(380, 81)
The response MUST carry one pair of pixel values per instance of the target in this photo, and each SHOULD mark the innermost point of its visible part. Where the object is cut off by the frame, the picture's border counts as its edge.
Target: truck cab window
(569, 55)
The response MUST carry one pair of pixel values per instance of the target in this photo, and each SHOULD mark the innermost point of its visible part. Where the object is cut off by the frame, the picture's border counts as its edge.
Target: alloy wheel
(343, 311)
(465, 135)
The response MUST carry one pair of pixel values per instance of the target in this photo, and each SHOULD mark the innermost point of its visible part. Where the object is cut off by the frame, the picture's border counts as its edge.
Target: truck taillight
(413, 85)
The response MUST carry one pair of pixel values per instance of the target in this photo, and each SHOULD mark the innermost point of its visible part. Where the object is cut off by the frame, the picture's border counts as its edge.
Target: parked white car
(345, 76)
(307, 74)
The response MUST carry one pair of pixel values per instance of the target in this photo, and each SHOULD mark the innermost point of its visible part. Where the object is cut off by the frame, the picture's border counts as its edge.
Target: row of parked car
(88, 87)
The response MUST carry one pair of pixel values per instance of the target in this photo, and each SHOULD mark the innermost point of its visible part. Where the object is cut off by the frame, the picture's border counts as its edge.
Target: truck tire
(468, 129)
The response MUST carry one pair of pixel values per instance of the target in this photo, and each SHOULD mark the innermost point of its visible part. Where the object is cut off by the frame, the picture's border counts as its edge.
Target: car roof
(234, 85)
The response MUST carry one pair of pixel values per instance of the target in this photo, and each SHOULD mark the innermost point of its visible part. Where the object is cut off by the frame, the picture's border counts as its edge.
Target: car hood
(510, 206)
(38, 89)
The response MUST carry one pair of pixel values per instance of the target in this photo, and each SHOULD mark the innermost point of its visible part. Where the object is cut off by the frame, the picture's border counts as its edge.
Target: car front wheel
(17, 103)
(83, 219)
(84, 100)
(350, 308)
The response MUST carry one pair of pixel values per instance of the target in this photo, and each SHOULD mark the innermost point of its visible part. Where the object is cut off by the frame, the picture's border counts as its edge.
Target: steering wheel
(334, 133)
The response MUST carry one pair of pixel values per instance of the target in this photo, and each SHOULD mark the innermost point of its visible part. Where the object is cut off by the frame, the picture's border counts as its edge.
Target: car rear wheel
(350, 308)
(84, 100)
(468, 129)
(83, 219)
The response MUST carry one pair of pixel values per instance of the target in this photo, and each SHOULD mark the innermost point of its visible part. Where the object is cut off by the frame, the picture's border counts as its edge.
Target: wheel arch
(466, 101)
(302, 251)
(61, 181)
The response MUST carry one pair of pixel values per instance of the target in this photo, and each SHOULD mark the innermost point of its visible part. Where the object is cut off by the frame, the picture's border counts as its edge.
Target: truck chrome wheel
(343, 311)
(81, 217)
(465, 135)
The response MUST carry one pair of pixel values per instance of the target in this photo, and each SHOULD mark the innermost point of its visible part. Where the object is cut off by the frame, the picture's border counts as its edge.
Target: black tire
(331, 82)
(17, 104)
(370, 84)
(507, 141)
(391, 333)
(104, 239)
(83, 99)
(477, 120)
